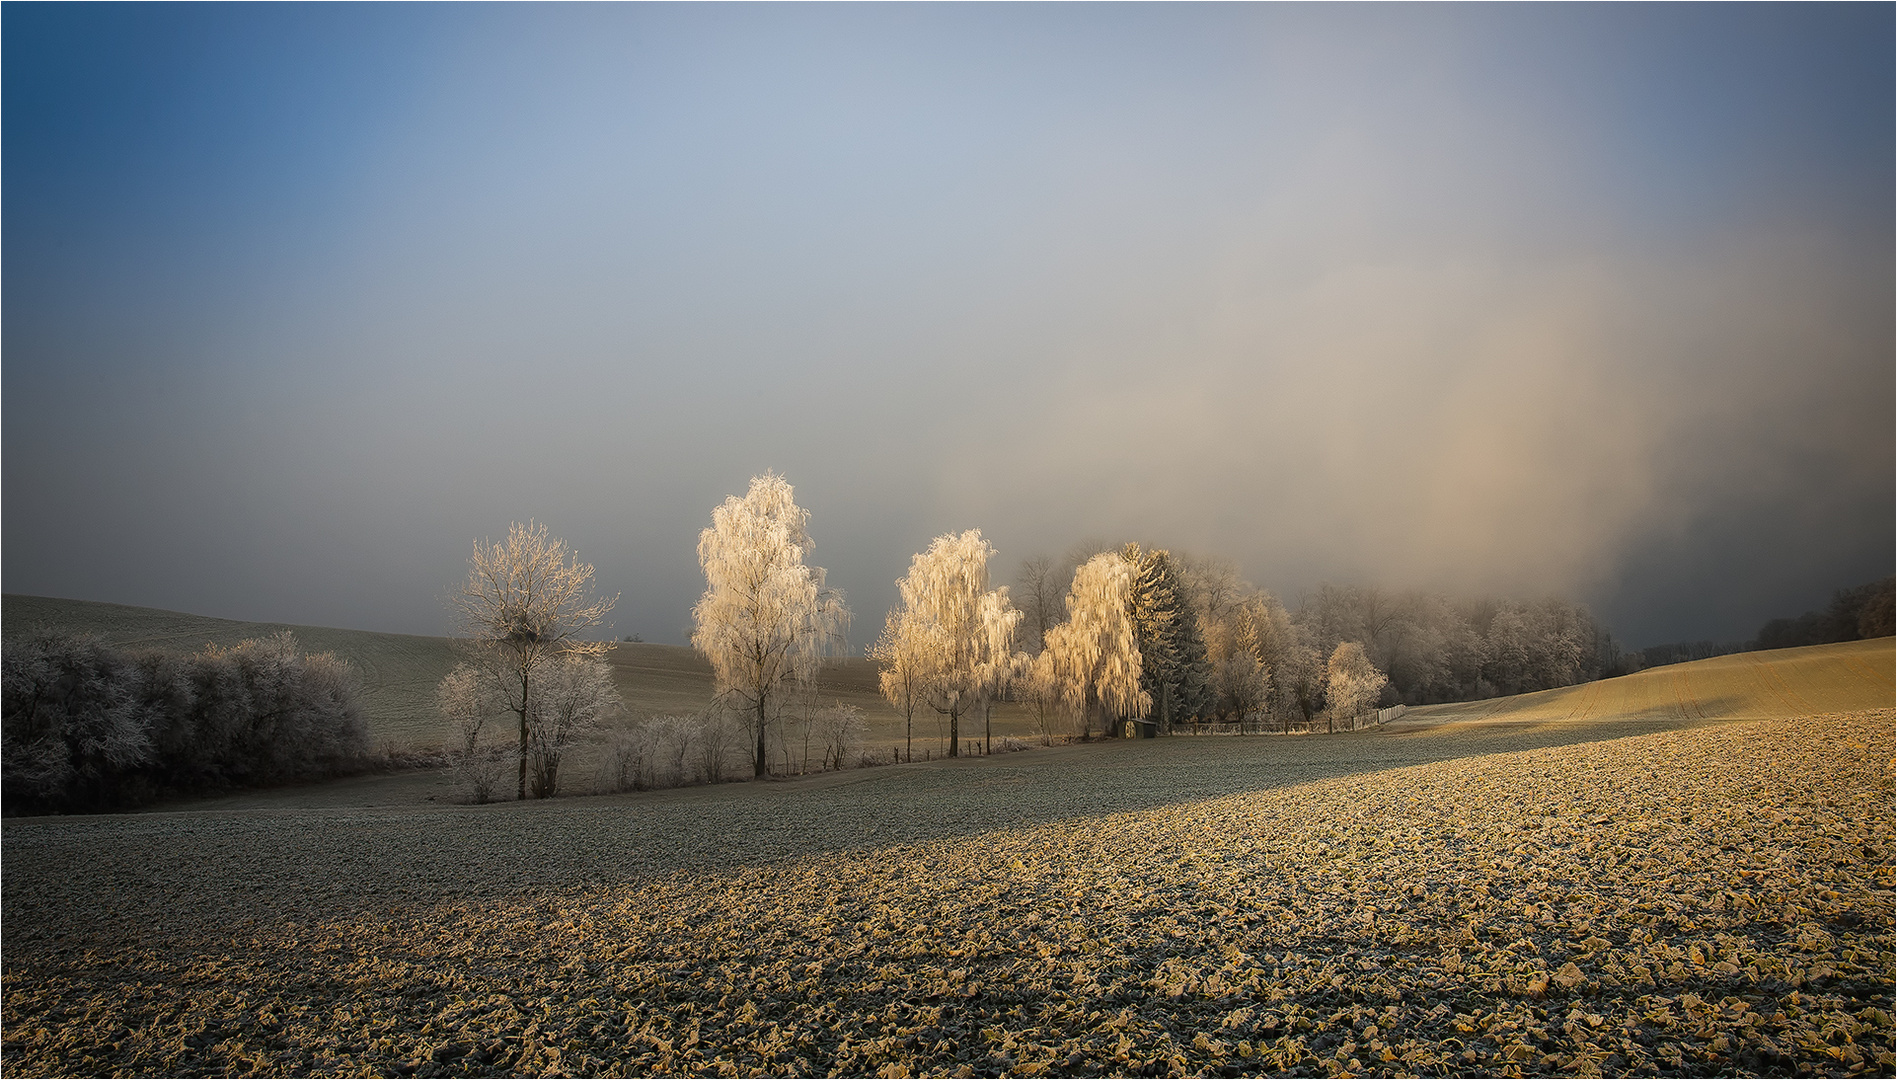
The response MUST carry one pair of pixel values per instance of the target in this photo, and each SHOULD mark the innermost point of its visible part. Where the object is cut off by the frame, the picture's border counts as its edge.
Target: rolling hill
(400, 671)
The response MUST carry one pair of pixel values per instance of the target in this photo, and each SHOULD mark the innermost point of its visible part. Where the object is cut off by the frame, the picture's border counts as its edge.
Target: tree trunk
(955, 734)
(521, 795)
(987, 730)
(758, 764)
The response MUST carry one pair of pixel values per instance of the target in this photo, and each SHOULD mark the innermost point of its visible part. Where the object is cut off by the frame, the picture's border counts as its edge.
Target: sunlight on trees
(1351, 683)
(1174, 671)
(525, 603)
(902, 656)
(1094, 656)
(766, 619)
(952, 632)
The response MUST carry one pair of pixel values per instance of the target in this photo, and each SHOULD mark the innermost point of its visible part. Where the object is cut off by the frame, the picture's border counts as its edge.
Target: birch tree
(524, 606)
(902, 657)
(1095, 653)
(954, 630)
(766, 619)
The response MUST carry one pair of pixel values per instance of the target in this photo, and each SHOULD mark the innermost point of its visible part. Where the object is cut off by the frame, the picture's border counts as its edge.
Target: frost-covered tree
(465, 698)
(766, 619)
(1174, 670)
(571, 698)
(1242, 684)
(1037, 686)
(523, 608)
(902, 655)
(955, 630)
(1351, 682)
(1094, 655)
(840, 730)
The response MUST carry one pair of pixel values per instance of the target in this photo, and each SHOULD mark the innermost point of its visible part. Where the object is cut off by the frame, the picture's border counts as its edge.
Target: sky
(1597, 301)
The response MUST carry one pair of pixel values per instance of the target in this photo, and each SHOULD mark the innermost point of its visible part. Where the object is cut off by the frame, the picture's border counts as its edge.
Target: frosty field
(1610, 879)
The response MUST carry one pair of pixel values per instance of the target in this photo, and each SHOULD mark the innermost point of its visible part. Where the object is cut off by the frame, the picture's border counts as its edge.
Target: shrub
(718, 735)
(71, 726)
(840, 729)
(86, 727)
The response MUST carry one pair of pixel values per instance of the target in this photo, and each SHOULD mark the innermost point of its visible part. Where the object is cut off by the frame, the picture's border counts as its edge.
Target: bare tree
(1213, 587)
(954, 629)
(766, 619)
(526, 602)
(1094, 655)
(1038, 591)
(902, 656)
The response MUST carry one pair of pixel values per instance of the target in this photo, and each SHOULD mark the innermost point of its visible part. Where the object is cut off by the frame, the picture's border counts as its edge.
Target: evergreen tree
(1174, 669)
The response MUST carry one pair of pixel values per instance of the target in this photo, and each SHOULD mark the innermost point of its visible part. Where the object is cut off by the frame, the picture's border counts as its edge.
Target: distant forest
(1244, 652)
(1854, 614)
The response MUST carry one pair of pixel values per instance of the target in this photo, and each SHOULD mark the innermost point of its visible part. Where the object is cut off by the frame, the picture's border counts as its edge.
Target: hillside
(1743, 686)
(399, 671)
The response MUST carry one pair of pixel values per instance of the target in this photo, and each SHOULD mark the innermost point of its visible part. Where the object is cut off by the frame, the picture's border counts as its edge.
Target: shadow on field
(82, 882)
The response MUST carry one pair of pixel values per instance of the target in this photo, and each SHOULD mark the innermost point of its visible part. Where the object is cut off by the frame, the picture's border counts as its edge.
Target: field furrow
(1667, 874)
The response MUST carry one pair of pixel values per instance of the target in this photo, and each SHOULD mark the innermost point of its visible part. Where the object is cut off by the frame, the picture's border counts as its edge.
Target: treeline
(1853, 615)
(84, 726)
(1216, 647)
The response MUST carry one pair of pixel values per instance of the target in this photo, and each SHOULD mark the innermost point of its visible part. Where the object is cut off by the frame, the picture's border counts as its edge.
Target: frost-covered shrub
(88, 727)
(569, 699)
(840, 731)
(479, 761)
(622, 762)
(719, 735)
(70, 726)
(670, 750)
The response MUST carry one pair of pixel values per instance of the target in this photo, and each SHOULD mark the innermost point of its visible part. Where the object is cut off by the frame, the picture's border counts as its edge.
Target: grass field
(1512, 888)
(1744, 686)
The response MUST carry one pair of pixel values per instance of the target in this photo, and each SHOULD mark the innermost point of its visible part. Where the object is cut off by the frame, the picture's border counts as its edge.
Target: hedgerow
(85, 727)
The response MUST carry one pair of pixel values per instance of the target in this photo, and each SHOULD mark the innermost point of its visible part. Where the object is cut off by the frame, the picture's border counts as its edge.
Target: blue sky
(299, 300)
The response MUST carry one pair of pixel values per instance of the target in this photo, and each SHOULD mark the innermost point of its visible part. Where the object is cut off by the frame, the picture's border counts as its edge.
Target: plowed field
(1612, 879)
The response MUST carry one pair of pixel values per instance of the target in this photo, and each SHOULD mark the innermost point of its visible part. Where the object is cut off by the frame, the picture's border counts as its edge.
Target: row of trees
(1132, 643)
(1864, 611)
(84, 726)
(1854, 614)
(765, 621)
(1115, 634)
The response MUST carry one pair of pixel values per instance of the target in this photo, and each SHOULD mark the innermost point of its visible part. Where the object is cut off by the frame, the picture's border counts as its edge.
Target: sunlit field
(1755, 685)
(1607, 879)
